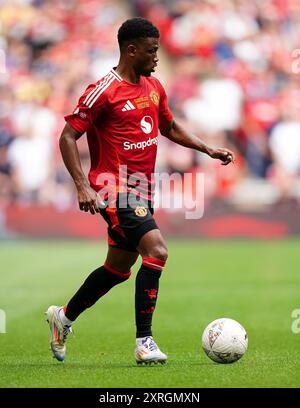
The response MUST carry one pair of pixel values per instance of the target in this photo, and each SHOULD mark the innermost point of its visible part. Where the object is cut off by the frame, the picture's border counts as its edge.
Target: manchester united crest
(154, 96)
(140, 211)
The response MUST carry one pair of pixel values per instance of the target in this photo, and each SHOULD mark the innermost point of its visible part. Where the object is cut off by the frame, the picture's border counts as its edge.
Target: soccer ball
(224, 341)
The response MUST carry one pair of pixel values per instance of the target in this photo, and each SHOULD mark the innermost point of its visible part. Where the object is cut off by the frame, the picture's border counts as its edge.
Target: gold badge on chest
(142, 102)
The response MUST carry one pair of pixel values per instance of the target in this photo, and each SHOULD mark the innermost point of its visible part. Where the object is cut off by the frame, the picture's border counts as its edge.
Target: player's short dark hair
(136, 28)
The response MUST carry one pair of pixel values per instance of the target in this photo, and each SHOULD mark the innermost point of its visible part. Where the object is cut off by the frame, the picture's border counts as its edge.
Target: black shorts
(126, 226)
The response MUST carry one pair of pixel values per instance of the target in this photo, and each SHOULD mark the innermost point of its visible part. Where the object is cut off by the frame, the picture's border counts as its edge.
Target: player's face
(146, 59)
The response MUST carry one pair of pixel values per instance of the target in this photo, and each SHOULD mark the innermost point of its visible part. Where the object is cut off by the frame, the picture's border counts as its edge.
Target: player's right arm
(90, 104)
(87, 197)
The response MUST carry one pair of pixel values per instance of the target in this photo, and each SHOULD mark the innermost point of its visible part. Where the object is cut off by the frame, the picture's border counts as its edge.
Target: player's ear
(131, 49)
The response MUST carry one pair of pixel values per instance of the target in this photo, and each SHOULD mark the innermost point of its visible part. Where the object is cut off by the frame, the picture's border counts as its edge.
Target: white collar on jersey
(116, 74)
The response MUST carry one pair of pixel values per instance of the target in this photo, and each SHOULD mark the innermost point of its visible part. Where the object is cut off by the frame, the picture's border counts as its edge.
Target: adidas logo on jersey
(128, 106)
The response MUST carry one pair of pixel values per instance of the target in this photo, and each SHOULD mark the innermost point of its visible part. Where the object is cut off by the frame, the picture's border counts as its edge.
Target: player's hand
(225, 155)
(89, 200)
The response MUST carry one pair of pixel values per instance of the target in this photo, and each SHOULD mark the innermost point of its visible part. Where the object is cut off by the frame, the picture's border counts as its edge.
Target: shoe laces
(151, 345)
(66, 331)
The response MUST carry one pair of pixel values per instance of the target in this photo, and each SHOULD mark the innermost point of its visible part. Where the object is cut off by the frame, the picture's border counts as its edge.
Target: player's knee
(159, 252)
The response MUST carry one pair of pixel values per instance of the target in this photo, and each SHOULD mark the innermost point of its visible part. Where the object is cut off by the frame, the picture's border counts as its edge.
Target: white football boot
(58, 333)
(147, 351)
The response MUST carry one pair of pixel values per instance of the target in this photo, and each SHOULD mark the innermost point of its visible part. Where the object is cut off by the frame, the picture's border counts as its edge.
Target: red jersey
(122, 122)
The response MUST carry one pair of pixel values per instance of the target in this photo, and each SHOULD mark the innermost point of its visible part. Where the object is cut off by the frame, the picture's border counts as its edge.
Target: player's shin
(146, 291)
(97, 284)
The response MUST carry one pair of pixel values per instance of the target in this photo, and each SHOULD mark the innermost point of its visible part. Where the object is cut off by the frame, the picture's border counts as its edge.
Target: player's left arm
(177, 134)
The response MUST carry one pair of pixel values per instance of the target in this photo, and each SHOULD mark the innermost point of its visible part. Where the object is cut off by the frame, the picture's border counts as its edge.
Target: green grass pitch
(254, 282)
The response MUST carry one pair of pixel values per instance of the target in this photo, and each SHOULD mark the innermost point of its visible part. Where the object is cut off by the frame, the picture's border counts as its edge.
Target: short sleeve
(165, 115)
(89, 107)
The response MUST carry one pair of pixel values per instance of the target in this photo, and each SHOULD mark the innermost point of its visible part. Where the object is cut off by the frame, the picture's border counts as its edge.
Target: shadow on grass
(109, 365)
(65, 365)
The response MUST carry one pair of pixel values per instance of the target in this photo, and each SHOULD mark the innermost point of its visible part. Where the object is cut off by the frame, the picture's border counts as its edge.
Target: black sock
(146, 290)
(94, 287)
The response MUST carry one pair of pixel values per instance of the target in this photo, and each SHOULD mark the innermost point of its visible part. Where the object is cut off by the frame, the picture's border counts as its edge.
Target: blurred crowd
(231, 69)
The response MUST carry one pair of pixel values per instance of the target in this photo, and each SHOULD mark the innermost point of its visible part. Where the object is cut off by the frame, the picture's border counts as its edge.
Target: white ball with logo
(224, 340)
